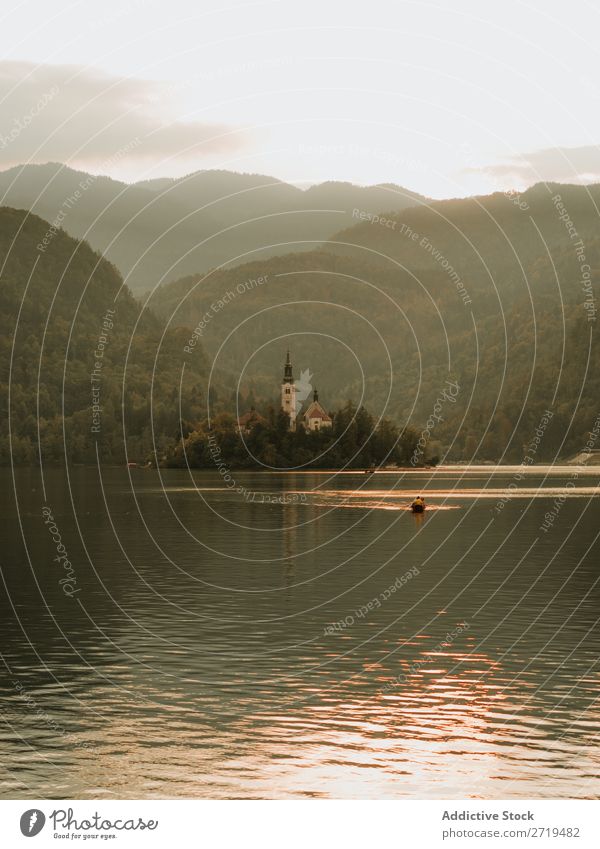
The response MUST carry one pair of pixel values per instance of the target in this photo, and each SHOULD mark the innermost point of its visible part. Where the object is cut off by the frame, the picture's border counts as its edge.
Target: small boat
(418, 506)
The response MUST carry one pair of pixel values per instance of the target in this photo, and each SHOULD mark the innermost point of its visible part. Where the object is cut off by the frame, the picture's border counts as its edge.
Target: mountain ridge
(491, 293)
(166, 228)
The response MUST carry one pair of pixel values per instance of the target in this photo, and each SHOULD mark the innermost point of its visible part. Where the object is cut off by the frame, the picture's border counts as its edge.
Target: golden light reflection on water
(226, 679)
(435, 736)
(403, 497)
(431, 732)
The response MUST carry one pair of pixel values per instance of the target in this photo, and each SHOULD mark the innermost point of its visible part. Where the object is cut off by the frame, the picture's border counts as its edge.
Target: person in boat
(418, 504)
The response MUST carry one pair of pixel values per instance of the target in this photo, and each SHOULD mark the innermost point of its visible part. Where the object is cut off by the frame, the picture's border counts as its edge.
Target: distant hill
(159, 230)
(65, 318)
(497, 293)
(479, 233)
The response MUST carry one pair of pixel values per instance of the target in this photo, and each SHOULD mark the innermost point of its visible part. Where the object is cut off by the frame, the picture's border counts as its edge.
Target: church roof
(316, 411)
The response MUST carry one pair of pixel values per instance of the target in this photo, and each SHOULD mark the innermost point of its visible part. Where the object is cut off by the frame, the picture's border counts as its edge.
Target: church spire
(288, 392)
(315, 395)
(288, 377)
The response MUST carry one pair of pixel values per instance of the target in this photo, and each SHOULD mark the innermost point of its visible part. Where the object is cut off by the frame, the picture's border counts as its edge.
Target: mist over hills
(480, 232)
(160, 230)
(498, 293)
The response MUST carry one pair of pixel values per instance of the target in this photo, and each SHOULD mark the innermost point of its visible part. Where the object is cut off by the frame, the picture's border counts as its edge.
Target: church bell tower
(288, 393)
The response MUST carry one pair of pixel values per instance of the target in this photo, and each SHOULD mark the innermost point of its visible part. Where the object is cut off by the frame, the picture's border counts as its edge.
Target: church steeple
(288, 392)
(288, 377)
(315, 395)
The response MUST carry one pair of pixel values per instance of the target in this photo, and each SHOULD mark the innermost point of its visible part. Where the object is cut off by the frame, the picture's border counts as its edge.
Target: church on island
(292, 395)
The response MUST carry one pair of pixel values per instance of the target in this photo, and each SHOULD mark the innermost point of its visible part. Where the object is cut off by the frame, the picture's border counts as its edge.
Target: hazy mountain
(162, 229)
(497, 298)
(71, 328)
(239, 196)
(484, 291)
(479, 233)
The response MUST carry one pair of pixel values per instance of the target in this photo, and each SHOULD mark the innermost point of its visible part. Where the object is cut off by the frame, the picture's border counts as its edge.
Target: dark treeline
(491, 291)
(356, 440)
(73, 337)
(526, 346)
(82, 341)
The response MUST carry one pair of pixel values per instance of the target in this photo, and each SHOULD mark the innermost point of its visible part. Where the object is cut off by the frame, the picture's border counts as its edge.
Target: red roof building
(315, 418)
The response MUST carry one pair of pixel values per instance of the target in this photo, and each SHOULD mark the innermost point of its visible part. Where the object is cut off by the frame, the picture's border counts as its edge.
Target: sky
(447, 99)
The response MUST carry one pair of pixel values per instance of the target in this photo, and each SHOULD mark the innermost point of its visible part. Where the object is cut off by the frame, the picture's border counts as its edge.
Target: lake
(164, 634)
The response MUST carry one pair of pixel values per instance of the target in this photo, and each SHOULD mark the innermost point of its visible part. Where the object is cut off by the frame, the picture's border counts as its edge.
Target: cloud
(553, 164)
(72, 114)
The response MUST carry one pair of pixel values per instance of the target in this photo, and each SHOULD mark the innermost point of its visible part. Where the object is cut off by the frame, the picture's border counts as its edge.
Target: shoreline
(554, 468)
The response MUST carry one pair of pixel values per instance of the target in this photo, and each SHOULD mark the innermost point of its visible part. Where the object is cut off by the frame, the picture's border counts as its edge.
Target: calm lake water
(307, 637)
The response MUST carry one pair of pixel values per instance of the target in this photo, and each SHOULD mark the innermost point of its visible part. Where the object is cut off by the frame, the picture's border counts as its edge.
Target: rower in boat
(418, 505)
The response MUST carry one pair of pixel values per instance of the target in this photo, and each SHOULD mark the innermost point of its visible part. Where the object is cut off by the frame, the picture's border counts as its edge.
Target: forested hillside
(497, 293)
(162, 229)
(73, 339)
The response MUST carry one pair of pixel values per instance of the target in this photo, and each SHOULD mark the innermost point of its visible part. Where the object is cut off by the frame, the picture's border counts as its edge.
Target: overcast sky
(446, 99)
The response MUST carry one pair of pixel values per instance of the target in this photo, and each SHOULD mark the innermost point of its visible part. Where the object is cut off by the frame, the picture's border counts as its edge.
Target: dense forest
(355, 441)
(63, 312)
(496, 295)
(88, 374)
